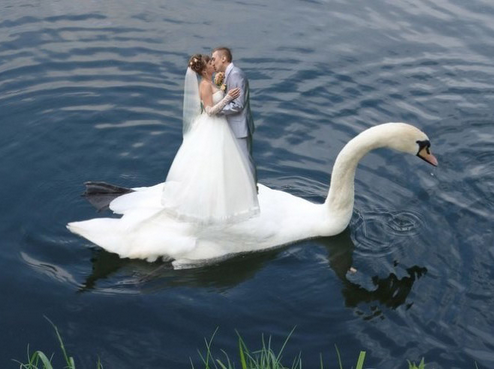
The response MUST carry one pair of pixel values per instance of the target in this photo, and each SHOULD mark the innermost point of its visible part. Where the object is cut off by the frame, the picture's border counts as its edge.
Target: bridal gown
(209, 184)
(210, 179)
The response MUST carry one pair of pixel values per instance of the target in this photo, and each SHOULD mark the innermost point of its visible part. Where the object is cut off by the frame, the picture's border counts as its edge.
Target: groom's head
(221, 58)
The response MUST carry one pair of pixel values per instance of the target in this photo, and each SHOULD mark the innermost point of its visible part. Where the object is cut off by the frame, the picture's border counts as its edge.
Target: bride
(210, 180)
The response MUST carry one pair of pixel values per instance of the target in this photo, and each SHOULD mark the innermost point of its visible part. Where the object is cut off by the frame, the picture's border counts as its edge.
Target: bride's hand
(234, 93)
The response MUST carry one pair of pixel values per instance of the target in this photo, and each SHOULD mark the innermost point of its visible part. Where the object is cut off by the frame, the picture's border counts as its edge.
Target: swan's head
(406, 138)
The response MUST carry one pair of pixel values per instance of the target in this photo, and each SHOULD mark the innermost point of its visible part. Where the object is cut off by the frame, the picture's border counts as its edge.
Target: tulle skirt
(210, 180)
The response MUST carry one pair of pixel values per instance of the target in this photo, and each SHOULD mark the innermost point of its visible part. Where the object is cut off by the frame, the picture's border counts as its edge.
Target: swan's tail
(101, 194)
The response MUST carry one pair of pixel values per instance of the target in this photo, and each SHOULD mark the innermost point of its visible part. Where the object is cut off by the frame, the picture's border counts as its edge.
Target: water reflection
(391, 291)
(153, 277)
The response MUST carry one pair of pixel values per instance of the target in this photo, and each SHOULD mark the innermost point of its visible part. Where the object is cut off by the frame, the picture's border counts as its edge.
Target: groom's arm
(238, 104)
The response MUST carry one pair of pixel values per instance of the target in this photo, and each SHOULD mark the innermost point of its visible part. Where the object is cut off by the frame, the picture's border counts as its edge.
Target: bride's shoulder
(204, 86)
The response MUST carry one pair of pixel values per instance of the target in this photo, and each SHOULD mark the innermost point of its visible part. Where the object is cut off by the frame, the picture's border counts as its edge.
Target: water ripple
(380, 234)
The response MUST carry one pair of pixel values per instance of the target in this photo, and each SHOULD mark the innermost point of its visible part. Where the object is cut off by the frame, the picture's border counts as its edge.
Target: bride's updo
(198, 63)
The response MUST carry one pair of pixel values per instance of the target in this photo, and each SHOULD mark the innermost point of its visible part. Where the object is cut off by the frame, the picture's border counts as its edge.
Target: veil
(191, 100)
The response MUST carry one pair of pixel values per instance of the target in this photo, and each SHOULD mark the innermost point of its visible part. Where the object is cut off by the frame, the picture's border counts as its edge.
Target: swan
(146, 232)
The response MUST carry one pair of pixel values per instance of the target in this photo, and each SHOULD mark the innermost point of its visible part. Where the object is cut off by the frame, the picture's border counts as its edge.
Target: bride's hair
(198, 63)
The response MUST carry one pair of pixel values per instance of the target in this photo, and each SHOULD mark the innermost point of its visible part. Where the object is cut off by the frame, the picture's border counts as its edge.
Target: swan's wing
(101, 194)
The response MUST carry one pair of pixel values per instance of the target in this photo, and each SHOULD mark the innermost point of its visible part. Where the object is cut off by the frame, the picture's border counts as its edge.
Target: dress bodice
(217, 96)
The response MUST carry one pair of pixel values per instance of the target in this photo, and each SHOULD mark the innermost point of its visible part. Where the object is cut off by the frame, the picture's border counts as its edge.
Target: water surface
(93, 91)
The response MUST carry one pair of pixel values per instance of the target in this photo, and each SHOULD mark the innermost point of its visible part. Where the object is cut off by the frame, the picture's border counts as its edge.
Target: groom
(237, 112)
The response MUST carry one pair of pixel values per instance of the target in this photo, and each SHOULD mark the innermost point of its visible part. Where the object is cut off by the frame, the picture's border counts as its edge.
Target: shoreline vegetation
(263, 358)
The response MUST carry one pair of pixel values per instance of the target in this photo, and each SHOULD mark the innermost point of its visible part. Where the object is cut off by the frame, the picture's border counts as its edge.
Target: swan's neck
(340, 199)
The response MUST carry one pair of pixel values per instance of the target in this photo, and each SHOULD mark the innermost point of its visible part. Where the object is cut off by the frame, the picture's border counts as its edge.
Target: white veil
(191, 100)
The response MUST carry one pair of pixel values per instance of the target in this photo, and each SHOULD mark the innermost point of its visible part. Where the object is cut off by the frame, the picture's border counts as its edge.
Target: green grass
(264, 358)
(414, 366)
(39, 360)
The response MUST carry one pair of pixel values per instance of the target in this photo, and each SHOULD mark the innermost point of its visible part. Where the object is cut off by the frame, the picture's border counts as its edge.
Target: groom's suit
(238, 112)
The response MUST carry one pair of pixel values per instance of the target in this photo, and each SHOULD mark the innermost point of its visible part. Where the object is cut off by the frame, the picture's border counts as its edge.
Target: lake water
(92, 90)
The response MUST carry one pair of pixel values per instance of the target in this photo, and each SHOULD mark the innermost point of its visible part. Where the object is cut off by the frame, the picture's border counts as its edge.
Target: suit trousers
(245, 144)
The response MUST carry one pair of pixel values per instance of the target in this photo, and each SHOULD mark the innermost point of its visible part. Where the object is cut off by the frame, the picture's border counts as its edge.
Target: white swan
(145, 231)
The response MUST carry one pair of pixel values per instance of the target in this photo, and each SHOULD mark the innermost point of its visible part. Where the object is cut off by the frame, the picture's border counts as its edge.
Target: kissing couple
(213, 177)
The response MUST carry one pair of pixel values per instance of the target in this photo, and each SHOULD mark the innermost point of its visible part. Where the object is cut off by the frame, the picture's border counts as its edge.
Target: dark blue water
(92, 90)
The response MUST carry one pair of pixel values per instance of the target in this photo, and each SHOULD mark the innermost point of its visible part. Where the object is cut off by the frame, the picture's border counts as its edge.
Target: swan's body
(145, 231)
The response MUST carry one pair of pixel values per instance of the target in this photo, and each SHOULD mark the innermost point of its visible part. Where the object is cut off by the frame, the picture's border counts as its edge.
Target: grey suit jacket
(238, 111)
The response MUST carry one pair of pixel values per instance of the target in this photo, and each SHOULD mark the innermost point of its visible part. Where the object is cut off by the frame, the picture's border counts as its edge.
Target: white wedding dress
(210, 179)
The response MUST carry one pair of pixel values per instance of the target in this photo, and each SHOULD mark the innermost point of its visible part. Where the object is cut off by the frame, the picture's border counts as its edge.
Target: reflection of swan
(368, 295)
(145, 231)
(391, 291)
(108, 271)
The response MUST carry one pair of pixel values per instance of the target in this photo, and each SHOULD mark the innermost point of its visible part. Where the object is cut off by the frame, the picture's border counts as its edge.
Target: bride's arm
(206, 96)
(238, 104)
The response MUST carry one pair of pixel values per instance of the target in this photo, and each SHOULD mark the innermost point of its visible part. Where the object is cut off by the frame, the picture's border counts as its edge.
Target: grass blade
(69, 360)
(360, 360)
(284, 344)
(208, 356)
(44, 359)
(339, 358)
(242, 348)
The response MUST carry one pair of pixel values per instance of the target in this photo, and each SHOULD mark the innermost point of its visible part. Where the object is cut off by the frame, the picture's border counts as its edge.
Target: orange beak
(428, 157)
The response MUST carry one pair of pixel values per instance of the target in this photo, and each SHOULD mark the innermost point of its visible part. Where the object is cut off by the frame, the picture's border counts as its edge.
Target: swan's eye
(425, 154)
(424, 145)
